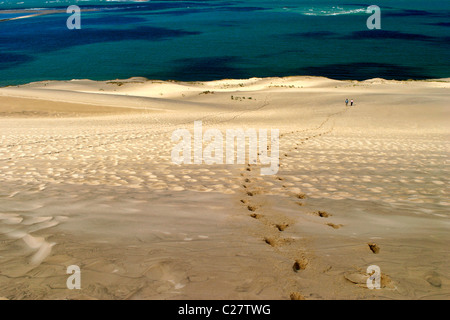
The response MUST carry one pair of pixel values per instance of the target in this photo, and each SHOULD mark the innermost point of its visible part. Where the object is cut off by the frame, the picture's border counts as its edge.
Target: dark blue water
(206, 40)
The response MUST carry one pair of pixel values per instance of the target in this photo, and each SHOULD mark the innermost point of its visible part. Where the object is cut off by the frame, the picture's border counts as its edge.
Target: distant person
(346, 102)
(351, 103)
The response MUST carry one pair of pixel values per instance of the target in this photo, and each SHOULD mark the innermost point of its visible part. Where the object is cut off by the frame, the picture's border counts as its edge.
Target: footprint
(301, 196)
(374, 247)
(270, 241)
(300, 264)
(322, 214)
(360, 279)
(357, 278)
(281, 226)
(296, 296)
(334, 226)
(251, 208)
(433, 279)
(256, 216)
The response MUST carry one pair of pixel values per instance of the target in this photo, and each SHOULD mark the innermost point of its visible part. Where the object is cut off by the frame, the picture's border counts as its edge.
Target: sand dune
(87, 179)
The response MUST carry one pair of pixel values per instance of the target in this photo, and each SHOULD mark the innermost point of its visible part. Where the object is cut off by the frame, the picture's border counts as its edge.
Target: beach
(87, 179)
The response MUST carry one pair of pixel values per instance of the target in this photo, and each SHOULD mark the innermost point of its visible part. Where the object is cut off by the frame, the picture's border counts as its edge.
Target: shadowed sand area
(87, 179)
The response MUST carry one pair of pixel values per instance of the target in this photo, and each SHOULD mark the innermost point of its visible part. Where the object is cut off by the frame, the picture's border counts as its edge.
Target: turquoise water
(205, 40)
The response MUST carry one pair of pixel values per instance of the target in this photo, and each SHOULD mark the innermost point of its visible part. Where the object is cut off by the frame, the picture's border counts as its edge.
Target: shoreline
(144, 79)
(35, 13)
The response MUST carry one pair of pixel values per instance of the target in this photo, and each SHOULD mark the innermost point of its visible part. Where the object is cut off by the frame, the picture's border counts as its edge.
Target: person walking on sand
(351, 103)
(346, 102)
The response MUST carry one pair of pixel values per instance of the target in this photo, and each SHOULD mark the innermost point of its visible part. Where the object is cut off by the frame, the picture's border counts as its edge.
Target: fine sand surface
(87, 179)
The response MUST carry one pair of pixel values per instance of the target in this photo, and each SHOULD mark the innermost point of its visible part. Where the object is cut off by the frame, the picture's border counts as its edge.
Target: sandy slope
(87, 179)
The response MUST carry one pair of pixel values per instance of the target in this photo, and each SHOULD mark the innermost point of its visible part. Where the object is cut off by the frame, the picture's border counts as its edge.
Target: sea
(200, 40)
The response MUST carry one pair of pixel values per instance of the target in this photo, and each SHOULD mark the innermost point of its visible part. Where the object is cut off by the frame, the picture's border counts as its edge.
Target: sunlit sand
(87, 179)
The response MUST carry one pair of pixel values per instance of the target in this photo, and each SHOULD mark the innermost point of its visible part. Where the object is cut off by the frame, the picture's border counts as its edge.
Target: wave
(324, 12)
(328, 13)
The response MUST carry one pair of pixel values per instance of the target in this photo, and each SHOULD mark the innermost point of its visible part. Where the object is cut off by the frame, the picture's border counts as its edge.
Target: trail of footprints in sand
(19, 228)
(83, 141)
(273, 223)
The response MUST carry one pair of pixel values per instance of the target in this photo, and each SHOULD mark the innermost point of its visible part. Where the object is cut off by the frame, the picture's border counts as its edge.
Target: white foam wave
(334, 12)
(326, 11)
